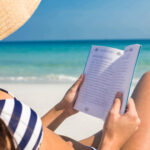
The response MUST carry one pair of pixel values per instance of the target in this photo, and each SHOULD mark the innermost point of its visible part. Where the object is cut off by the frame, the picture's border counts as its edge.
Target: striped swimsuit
(23, 122)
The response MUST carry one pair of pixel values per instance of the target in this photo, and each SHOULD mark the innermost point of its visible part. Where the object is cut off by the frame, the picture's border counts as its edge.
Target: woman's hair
(7, 141)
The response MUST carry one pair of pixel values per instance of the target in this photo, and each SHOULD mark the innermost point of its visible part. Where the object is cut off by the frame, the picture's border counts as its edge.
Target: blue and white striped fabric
(24, 123)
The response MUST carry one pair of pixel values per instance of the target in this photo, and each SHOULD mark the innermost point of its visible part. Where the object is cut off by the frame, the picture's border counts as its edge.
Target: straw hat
(14, 13)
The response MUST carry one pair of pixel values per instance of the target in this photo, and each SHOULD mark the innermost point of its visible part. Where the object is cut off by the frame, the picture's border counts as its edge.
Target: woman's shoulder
(5, 95)
(23, 122)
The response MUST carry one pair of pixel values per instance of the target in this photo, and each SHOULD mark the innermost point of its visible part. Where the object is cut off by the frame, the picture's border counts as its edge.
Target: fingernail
(119, 95)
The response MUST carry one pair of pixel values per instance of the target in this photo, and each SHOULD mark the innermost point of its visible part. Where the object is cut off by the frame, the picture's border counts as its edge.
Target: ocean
(57, 61)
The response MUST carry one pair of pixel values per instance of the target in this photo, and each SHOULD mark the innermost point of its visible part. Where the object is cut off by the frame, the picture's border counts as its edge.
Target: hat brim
(14, 13)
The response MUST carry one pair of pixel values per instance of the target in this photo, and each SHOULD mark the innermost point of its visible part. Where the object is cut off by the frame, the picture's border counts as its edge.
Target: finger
(131, 107)
(78, 83)
(117, 103)
(119, 95)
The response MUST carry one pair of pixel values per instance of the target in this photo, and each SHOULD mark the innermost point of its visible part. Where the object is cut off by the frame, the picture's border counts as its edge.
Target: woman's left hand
(118, 128)
(70, 97)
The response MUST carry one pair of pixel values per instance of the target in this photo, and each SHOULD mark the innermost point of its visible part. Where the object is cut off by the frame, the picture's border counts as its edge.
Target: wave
(39, 79)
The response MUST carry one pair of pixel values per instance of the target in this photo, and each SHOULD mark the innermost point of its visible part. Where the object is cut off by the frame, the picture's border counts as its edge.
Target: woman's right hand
(119, 127)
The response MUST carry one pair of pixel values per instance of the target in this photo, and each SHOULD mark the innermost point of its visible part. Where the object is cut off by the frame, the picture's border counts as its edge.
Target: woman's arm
(52, 141)
(118, 128)
(92, 141)
(63, 109)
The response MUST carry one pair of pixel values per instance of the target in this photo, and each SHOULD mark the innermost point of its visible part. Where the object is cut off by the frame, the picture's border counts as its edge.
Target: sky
(87, 20)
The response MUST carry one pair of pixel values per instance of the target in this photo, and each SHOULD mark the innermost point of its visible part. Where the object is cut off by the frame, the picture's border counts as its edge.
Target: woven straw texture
(14, 13)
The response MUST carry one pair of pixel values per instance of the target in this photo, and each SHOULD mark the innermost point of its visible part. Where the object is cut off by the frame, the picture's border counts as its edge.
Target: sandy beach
(42, 97)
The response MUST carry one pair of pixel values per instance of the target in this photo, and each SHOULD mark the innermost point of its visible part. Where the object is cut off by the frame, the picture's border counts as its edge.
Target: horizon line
(77, 40)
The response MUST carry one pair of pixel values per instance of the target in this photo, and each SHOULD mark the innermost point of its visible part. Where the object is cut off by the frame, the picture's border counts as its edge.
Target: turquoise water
(61, 61)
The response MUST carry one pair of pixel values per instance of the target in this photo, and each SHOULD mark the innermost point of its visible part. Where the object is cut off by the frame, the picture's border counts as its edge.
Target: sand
(42, 97)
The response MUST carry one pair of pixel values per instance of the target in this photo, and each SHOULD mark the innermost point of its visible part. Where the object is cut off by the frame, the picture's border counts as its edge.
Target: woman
(120, 131)
(123, 132)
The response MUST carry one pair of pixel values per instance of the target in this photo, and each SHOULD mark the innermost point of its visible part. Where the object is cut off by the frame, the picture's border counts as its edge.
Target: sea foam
(52, 78)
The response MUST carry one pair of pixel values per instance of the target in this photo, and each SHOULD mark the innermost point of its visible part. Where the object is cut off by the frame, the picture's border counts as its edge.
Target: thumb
(131, 107)
(78, 83)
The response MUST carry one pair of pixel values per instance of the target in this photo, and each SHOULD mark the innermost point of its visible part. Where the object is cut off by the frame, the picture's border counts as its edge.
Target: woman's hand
(64, 109)
(119, 127)
(69, 99)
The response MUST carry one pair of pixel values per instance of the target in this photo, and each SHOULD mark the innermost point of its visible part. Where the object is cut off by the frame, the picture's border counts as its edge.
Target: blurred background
(54, 44)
